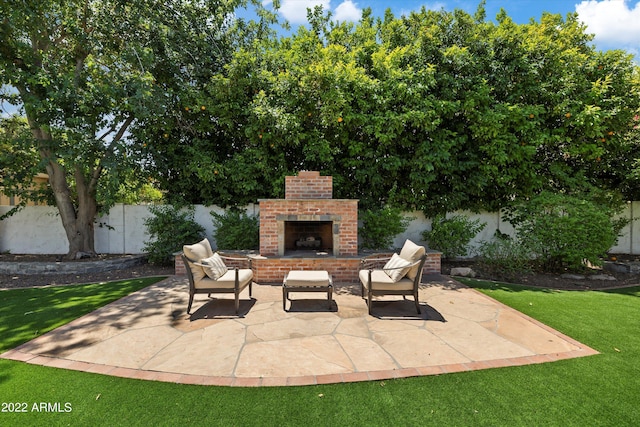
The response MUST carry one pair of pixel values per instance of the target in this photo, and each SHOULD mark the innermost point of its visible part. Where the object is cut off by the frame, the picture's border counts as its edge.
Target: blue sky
(615, 23)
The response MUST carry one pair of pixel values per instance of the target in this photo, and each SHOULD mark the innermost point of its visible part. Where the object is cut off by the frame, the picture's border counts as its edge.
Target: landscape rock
(602, 277)
(616, 267)
(83, 255)
(91, 265)
(463, 272)
(569, 276)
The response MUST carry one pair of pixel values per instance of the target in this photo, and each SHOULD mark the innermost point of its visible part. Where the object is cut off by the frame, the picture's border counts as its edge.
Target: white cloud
(347, 11)
(613, 22)
(295, 11)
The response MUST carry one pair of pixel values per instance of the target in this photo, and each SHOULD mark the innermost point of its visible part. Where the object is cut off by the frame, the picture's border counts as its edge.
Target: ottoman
(306, 281)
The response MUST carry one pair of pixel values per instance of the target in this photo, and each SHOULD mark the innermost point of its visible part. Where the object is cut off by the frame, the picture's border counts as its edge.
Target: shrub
(452, 235)
(564, 231)
(236, 230)
(504, 255)
(170, 228)
(381, 226)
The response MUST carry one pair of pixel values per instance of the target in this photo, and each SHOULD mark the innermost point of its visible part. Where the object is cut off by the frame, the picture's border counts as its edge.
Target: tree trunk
(77, 222)
(85, 214)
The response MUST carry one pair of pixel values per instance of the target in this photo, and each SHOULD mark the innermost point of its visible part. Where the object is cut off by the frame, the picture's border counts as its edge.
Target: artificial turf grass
(532, 395)
(27, 313)
(595, 390)
(607, 321)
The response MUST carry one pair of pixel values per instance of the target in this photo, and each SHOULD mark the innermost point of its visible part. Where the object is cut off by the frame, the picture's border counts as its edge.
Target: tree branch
(8, 51)
(81, 51)
(123, 128)
(95, 176)
(109, 131)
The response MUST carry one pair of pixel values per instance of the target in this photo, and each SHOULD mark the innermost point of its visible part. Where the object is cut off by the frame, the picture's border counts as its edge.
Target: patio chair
(400, 275)
(208, 274)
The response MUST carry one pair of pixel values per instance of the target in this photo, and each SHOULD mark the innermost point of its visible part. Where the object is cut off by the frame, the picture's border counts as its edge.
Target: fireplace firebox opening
(319, 233)
(308, 236)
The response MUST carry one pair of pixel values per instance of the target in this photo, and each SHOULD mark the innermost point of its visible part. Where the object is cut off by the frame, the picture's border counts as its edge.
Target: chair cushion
(399, 267)
(412, 253)
(198, 251)
(307, 278)
(380, 281)
(228, 280)
(214, 267)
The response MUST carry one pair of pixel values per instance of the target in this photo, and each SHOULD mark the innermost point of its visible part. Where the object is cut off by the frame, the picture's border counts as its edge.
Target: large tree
(86, 71)
(435, 111)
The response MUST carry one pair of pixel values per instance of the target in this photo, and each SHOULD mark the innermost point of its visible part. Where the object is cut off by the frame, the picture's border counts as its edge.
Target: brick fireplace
(308, 220)
(310, 230)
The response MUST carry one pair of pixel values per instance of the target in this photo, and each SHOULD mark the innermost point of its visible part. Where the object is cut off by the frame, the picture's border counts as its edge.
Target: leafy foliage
(169, 229)
(236, 230)
(504, 255)
(454, 111)
(19, 163)
(380, 226)
(451, 110)
(564, 231)
(452, 235)
(86, 72)
(138, 193)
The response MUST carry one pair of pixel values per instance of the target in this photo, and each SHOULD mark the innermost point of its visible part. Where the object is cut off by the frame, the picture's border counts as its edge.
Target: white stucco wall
(122, 231)
(38, 229)
(33, 230)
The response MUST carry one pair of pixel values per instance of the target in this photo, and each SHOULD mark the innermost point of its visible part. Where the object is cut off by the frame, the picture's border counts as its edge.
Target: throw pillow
(214, 267)
(396, 263)
(412, 253)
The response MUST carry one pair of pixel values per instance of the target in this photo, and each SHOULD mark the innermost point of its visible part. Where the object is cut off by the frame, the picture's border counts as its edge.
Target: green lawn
(30, 312)
(597, 390)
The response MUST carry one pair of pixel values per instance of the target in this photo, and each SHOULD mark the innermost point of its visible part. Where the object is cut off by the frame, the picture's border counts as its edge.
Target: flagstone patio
(148, 335)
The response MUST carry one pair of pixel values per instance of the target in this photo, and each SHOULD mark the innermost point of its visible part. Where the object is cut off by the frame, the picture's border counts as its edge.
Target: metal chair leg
(284, 298)
(190, 302)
